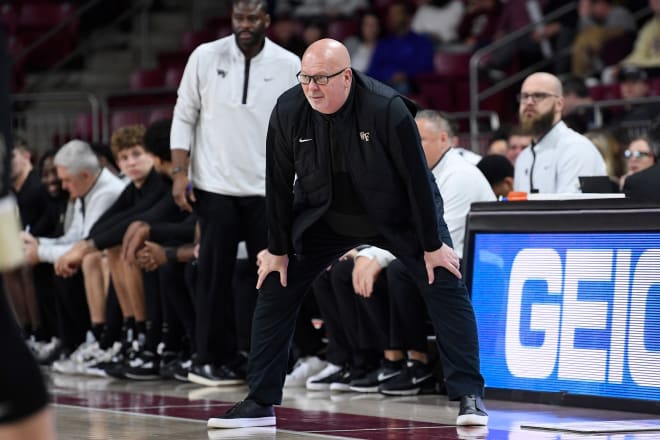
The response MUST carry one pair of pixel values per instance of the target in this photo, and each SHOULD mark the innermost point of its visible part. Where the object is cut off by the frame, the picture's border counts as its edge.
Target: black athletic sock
(97, 330)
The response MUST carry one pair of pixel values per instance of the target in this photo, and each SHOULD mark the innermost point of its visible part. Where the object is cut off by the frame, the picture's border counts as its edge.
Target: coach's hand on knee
(268, 263)
(442, 257)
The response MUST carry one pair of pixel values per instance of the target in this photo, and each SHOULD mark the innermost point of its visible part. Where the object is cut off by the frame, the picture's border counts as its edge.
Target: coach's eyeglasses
(536, 97)
(320, 80)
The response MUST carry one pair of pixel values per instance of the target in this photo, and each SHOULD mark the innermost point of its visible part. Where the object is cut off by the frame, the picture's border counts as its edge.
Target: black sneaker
(143, 367)
(245, 414)
(416, 378)
(323, 383)
(343, 382)
(169, 361)
(472, 412)
(211, 376)
(182, 369)
(370, 383)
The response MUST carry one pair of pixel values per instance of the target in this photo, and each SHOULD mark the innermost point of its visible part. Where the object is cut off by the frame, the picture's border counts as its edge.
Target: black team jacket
(386, 165)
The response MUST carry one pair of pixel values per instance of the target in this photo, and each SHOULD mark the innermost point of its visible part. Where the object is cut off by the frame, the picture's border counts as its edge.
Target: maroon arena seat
(147, 79)
(452, 64)
(173, 76)
(35, 20)
(120, 118)
(342, 28)
(192, 39)
(161, 113)
(602, 92)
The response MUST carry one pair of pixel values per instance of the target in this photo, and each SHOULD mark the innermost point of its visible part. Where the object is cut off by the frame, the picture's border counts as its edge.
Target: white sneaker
(79, 356)
(304, 368)
(49, 351)
(101, 359)
(65, 366)
(329, 370)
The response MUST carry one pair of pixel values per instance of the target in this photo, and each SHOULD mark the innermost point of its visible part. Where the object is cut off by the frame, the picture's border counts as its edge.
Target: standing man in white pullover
(218, 141)
(557, 155)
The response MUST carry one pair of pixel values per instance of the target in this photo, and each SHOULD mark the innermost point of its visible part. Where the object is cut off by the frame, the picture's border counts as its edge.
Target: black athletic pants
(224, 222)
(277, 307)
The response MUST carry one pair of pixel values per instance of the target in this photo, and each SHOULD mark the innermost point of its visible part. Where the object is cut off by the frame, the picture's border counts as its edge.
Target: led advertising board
(573, 312)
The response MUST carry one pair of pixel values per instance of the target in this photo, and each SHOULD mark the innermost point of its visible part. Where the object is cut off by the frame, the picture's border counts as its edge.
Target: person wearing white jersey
(218, 142)
(557, 155)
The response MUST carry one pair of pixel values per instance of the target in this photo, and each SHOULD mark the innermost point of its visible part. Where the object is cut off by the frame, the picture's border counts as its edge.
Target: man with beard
(557, 155)
(218, 142)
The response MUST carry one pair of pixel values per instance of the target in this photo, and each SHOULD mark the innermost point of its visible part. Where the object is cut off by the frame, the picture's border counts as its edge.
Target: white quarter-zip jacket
(554, 164)
(222, 111)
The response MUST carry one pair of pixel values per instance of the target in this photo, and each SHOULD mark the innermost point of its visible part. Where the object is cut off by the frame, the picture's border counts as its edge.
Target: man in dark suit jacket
(353, 144)
(644, 185)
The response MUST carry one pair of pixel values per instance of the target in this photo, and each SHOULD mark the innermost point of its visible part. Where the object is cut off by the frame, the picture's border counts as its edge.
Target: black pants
(408, 315)
(72, 311)
(307, 340)
(357, 327)
(277, 307)
(335, 313)
(43, 275)
(372, 313)
(22, 389)
(224, 222)
(178, 312)
(153, 301)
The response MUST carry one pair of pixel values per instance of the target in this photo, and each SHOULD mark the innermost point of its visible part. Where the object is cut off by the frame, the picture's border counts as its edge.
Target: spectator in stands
(517, 142)
(610, 149)
(602, 21)
(498, 142)
(639, 156)
(477, 28)
(438, 19)
(226, 126)
(498, 170)
(94, 189)
(557, 155)
(634, 84)
(497, 146)
(576, 95)
(646, 52)
(643, 185)
(307, 9)
(549, 40)
(361, 47)
(286, 32)
(403, 54)
(314, 30)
